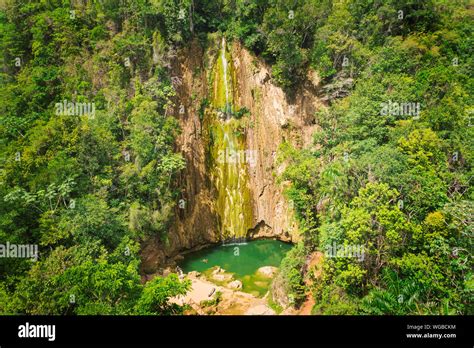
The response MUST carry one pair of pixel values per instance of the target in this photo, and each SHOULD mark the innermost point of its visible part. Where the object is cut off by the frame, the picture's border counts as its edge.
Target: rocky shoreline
(218, 293)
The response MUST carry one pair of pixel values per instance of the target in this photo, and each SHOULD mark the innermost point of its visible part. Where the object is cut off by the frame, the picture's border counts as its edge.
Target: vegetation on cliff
(391, 170)
(88, 159)
(86, 185)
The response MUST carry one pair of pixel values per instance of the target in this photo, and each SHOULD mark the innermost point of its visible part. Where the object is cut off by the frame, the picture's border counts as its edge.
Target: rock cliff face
(271, 120)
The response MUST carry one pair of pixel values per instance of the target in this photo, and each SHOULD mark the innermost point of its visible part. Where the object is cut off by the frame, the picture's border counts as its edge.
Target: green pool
(242, 260)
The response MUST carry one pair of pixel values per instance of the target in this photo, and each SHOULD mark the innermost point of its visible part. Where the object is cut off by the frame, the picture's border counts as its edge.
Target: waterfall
(227, 109)
(229, 169)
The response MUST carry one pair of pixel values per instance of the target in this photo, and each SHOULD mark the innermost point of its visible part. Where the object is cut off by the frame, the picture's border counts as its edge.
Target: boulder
(217, 270)
(194, 274)
(267, 271)
(236, 284)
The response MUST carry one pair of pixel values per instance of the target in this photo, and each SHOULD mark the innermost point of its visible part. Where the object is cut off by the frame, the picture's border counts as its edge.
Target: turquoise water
(242, 260)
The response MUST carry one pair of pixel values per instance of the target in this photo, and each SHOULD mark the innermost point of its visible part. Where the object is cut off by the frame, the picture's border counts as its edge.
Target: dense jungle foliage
(88, 190)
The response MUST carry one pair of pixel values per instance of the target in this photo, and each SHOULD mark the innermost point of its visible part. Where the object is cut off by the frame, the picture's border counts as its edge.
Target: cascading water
(227, 155)
(227, 107)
